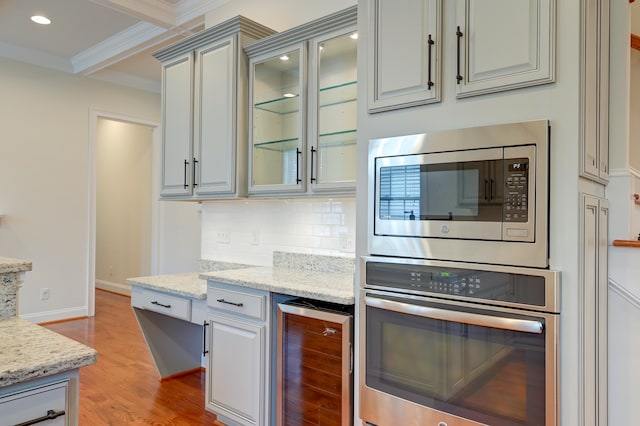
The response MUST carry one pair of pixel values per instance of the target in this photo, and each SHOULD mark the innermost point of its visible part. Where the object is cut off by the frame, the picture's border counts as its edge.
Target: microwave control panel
(516, 204)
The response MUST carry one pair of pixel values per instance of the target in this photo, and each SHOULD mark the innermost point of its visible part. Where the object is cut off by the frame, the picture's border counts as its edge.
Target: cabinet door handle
(313, 151)
(492, 194)
(51, 414)
(298, 155)
(430, 43)
(459, 35)
(186, 163)
(155, 302)
(205, 351)
(239, 305)
(195, 163)
(487, 195)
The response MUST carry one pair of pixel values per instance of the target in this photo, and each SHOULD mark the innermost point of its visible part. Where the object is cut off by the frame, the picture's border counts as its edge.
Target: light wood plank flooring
(123, 387)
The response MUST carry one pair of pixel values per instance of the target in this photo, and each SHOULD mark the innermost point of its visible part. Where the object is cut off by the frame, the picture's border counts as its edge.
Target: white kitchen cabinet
(51, 400)
(503, 45)
(487, 51)
(303, 108)
(237, 388)
(204, 117)
(595, 89)
(172, 327)
(594, 286)
(404, 53)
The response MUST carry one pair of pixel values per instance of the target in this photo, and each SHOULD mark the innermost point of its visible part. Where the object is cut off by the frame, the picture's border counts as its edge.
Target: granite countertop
(324, 278)
(187, 284)
(8, 265)
(29, 351)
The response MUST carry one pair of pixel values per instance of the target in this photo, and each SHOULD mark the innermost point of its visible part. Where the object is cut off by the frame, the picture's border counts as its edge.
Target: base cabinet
(238, 358)
(52, 401)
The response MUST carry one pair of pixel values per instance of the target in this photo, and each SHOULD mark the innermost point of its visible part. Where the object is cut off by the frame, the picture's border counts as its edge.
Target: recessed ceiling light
(289, 95)
(284, 58)
(39, 19)
(354, 36)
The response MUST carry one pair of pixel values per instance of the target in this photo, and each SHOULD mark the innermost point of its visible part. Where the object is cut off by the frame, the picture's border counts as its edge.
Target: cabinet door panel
(506, 50)
(400, 57)
(215, 118)
(235, 387)
(177, 80)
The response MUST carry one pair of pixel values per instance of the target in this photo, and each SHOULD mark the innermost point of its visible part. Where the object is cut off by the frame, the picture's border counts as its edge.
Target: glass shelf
(337, 94)
(344, 138)
(283, 105)
(278, 145)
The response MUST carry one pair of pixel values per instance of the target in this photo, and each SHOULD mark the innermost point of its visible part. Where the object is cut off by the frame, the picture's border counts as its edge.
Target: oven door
(431, 361)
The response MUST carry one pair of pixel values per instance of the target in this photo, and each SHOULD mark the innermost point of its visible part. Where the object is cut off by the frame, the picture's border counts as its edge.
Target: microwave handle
(512, 324)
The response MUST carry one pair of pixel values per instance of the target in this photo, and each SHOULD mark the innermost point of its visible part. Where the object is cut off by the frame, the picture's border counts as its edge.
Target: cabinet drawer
(245, 302)
(31, 404)
(162, 303)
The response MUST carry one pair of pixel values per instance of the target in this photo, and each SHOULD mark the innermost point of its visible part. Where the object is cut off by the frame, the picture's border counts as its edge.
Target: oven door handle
(512, 324)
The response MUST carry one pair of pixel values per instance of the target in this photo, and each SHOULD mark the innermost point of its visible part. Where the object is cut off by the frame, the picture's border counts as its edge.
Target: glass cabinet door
(277, 109)
(333, 110)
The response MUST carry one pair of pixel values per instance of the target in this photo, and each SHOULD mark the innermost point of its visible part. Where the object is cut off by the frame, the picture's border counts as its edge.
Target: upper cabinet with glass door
(303, 108)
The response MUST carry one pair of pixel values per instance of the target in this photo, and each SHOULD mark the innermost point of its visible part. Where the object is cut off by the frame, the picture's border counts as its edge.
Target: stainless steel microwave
(474, 195)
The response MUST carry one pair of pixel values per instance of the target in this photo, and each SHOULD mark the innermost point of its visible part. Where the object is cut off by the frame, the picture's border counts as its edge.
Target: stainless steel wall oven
(451, 344)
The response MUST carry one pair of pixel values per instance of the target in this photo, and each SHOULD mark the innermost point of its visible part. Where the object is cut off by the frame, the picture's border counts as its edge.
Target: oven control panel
(466, 283)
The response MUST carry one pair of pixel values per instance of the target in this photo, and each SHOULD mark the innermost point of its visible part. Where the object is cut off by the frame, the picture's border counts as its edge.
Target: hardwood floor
(123, 387)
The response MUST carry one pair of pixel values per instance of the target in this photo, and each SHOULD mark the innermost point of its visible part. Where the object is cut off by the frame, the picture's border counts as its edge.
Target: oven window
(488, 375)
(465, 191)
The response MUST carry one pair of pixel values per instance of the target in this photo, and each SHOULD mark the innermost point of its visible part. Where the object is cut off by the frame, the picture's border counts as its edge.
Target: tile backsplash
(249, 231)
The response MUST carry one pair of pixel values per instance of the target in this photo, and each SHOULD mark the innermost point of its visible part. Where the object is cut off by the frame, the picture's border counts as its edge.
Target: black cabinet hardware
(313, 151)
(195, 163)
(186, 163)
(205, 351)
(298, 155)
(239, 305)
(459, 35)
(155, 302)
(51, 414)
(430, 43)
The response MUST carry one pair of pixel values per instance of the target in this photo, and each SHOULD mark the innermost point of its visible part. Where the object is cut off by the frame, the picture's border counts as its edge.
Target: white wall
(44, 178)
(123, 203)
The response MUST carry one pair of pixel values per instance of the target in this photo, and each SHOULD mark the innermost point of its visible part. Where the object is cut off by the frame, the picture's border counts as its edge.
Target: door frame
(94, 116)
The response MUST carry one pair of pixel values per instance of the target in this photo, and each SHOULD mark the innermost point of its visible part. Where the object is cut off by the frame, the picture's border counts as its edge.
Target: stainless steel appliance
(457, 344)
(314, 363)
(484, 188)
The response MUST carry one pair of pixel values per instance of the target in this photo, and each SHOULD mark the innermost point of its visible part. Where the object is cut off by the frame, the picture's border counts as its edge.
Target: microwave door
(443, 195)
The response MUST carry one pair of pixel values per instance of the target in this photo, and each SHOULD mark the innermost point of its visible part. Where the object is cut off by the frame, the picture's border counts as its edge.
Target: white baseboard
(124, 289)
(59, 315)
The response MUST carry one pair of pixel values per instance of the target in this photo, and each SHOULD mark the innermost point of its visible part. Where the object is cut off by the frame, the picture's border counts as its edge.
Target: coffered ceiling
(107, 39)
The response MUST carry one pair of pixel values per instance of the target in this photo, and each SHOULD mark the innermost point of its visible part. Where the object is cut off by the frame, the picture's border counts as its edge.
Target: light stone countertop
(336, 287)
(29, 351)
(188, 284)
(8, 265)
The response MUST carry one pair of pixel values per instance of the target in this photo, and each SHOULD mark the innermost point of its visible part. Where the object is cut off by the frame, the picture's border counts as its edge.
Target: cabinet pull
(239, 305)
(492, 195)
(205, 351)
(487, 195)
(195, 163)
(459, 35)
(298, 155)
(51, 414)
(313, 151)
(430, 43)
(186, 163)
(155, 302)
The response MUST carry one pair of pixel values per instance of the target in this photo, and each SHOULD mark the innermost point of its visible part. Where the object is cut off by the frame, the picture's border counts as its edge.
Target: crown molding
(157, 12)
(35, 57)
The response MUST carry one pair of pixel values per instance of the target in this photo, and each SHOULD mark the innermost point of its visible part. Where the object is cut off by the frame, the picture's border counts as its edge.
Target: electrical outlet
(223, 237)
(346, 243)
(44, 293)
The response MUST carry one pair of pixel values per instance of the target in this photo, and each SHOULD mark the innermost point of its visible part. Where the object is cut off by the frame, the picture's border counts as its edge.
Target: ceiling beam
(157, 12)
